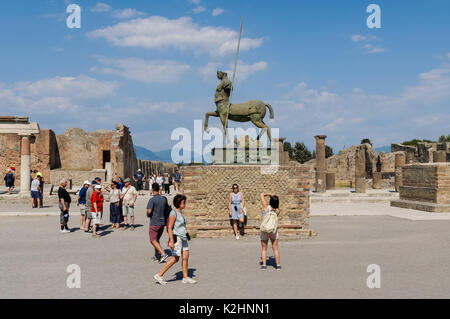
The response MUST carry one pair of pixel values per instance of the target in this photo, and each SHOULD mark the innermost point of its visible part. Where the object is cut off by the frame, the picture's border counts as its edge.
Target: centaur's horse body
(252, 111)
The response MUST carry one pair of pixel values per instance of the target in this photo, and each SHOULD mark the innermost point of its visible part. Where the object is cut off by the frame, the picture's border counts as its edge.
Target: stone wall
(343, 164)
(75, 150)
(207, 189)
(43, 153)
(425, 187)
(77, 176)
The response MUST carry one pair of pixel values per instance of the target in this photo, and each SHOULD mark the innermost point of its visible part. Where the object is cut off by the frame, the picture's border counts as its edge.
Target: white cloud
(217, 11)
(367, 43)
(198, 9)
(373, 49)
(54, 94)
(147, 71)
(418, 111)
(161, 33)
(101, 7)
(127, 13)
(363, 38)
(197, 2)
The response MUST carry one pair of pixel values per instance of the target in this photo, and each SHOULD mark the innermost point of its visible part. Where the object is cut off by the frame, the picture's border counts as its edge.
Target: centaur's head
(221, 75)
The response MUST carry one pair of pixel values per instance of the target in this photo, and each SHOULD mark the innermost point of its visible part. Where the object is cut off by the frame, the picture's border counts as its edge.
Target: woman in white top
(272, 206)
(115, 215)
(160, 180)
(236, 204)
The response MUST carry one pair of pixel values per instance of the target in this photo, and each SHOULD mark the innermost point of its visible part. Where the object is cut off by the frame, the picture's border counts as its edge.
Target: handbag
(121, 199)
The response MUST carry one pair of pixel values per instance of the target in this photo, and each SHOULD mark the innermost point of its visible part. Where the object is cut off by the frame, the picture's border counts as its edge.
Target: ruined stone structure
(425, 187)
(343, 164)
(208, 188)
(424, 152)
(19, 132)
(77, 155)
(321, 169)
(400, 161)
(360, 170)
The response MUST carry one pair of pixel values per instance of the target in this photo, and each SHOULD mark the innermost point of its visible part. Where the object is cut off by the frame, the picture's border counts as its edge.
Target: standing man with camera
(64, 205)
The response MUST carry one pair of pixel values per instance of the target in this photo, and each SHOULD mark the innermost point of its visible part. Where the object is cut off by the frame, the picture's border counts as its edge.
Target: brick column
(331, 180)
(25, 165)
(360, 170)
(439, 156)
(400, 161)
(321, 185)
(376, 180)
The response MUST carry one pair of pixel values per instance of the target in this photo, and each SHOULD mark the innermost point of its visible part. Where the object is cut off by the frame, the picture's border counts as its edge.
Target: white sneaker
(237, 237)
(189, 280)
(159, 279)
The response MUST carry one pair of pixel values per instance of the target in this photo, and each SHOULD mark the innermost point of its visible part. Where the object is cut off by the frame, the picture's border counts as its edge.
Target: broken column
(25, 164)
(331, 181)
(400, 161)
(360, 170)
(439, 157)
(321, 186)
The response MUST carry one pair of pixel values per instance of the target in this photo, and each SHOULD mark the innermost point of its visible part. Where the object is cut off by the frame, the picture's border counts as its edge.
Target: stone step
(349, 200)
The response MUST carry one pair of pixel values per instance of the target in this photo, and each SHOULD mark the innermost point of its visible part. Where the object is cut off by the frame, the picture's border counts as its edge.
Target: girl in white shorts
(273, 205)
(180, 247)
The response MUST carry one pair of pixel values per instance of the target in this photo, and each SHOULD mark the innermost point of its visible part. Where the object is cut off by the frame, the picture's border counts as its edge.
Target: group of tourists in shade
(36, 185)
(122, 199)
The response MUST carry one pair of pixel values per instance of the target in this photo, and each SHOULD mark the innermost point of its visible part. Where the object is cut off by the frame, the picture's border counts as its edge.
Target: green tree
(443, 139)
(328, 151)
(415, 141)
(301, 153)
(288, 148)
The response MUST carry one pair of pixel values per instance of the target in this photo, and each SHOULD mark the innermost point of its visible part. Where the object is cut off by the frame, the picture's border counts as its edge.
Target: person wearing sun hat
(82, 203)
(97, 208)
(89, 193)
(128, 195)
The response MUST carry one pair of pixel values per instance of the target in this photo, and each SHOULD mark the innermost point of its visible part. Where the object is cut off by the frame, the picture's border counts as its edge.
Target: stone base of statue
(247, 156)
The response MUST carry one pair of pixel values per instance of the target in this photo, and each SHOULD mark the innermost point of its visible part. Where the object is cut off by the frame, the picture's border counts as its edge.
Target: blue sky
(151, 65)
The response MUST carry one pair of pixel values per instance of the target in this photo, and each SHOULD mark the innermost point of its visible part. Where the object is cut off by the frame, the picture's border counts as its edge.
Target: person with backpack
(178, 241)
(157, 211)
(269, 229)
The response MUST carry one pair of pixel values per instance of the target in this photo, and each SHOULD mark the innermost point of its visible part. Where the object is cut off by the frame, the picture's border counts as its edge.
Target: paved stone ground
(413, 256)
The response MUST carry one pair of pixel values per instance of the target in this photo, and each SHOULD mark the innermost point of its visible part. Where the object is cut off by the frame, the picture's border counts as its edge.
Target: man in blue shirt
(139, 178)
(177, 177)
(82, 203)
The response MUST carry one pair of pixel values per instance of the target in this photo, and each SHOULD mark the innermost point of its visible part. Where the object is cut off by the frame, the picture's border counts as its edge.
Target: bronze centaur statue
(252, 111)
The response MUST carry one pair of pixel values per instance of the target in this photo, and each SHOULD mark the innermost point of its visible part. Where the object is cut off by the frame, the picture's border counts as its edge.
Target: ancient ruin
(425, 187)
(75, 155)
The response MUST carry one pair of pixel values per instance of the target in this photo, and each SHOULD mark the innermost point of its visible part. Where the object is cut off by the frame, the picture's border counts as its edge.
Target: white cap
(87, 183)
(98, 186)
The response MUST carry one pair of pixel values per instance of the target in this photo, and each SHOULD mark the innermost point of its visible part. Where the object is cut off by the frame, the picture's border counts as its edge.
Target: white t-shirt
(129, 194)
(34, 185)
(159, 180)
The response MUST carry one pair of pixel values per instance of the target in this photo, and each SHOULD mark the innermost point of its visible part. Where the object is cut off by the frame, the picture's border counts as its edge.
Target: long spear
(234, 75)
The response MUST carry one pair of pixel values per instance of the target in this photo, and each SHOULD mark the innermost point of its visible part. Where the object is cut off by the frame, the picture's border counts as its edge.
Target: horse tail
(271, 110)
